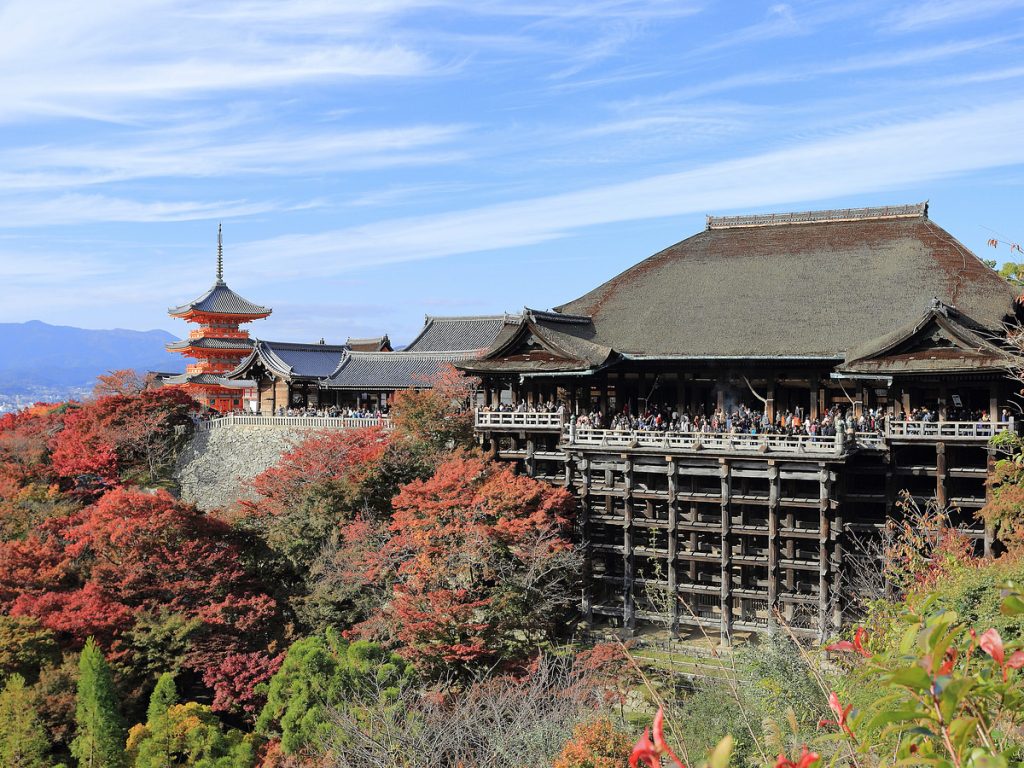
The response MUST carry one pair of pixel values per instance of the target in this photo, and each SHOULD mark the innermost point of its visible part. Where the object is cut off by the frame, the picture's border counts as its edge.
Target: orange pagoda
(218, 345)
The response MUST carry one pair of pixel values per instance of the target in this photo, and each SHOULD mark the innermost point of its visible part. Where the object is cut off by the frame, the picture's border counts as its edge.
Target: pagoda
(218, 345)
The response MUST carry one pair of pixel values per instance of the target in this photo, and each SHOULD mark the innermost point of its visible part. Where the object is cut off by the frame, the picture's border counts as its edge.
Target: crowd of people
(334, 412)
(742, 419)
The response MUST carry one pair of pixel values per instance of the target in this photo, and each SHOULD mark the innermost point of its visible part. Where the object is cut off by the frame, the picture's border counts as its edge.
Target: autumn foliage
(134, 560)
(120, 438)
(481, 563)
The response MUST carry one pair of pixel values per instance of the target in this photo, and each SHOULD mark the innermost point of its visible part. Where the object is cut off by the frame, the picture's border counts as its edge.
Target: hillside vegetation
(397, 599)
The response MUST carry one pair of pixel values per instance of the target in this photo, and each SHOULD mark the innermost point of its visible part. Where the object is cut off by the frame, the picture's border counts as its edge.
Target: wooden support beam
(673, 544)
(940, 474)
(990, 531)
(824, 536)
(773, 539)
(585, 534)
(726, 604)
(628, 605)
(838, 492)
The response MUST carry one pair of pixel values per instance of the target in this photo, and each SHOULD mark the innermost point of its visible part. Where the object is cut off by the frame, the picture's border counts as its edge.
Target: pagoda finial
(220, 253)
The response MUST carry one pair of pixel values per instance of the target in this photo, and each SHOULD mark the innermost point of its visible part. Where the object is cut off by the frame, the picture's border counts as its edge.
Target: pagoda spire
(220, 254)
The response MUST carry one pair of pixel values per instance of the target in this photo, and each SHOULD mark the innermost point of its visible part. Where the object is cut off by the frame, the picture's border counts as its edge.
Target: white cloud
(197, 154)
(876, 160)
(931, 13)
(19, 212)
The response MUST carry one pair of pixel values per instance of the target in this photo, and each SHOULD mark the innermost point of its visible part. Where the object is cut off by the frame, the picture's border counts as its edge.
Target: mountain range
(43, 361)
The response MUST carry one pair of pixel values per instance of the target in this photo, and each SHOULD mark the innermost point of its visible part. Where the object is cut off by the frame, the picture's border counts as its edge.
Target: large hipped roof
(811, 285)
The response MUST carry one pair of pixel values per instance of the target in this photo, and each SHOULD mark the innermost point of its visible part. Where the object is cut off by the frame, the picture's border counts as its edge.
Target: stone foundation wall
(217, 468)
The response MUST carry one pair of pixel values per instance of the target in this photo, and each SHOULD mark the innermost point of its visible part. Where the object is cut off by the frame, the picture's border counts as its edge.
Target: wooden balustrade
(514, 420)
(294, 422)
(947, 430)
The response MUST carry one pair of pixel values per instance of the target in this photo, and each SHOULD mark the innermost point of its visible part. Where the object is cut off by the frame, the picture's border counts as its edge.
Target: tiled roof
(371, 344)
(449, 334)
(208, 378)
(220, 300)
(391, 370)
(290, 360)
(808, 288)
(211, 343)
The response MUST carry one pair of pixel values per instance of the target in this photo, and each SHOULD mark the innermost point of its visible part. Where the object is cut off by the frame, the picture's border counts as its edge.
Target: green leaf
(722, 753)
(898, 716)
(961, 730)
(914, 678)
(1012, 606)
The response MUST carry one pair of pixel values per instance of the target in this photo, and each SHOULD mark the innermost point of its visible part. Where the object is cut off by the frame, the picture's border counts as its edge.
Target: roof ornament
(220, 254)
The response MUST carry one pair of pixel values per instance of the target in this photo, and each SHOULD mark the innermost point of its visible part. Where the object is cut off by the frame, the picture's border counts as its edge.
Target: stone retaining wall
(217, 467)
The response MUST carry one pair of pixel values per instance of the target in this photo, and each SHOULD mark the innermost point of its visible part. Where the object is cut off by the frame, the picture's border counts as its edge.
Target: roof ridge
(410, 353)
(434, 318)
(911, 210)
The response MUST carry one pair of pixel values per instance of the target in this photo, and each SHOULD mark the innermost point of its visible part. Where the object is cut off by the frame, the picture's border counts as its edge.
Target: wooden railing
(293, 422)
(707, 441)
(547, 421)
(950, 430)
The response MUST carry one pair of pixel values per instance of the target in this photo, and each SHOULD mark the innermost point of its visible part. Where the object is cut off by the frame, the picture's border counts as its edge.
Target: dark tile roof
(211, 343)
(941, 340)
(220, 300)
(208, 378)
(813, 287)
(391, 370)
(371, 344)
(543, 342)
(449, 334)
(294, 361)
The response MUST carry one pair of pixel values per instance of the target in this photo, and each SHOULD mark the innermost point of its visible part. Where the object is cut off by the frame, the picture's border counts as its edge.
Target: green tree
(155, 747)
(322, 673)
(99, 740)
(25, 647)
(23, 742)
(185, 734)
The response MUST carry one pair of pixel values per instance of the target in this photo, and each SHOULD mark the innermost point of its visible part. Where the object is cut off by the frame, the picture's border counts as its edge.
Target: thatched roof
(810, 285)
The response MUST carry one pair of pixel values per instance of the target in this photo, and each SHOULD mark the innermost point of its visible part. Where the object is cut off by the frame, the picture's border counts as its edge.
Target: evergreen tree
(99, 740)
(156, 745)
(23, 742)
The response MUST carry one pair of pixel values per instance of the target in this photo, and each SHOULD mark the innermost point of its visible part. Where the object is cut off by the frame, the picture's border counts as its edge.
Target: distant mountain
(59, 360)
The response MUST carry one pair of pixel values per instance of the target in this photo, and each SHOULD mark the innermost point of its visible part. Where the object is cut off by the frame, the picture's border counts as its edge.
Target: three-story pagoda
(219, 343)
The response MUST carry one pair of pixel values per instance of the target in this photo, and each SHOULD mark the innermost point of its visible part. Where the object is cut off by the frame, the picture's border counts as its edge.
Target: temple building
(217, 345)
(361, 374)
(735, 412)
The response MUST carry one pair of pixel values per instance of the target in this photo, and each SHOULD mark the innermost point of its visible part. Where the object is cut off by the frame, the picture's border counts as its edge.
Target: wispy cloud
(920, 15)
(197, 154)
(63, 210)
(872, 161)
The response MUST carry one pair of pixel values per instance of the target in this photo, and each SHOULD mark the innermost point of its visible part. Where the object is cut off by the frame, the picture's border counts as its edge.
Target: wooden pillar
(773, 539)
(824, 534)
(993, 402)
(940, 474)
(769, 405)
(726, 605)
(673, 547)
(628, 607)
(838, 496)
(990, 532)
(588, 581)
(815, 384)
(530, 462)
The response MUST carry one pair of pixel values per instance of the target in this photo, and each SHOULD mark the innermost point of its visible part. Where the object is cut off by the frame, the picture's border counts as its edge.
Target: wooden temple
(875, 311)
(217, 345)
(362, 373)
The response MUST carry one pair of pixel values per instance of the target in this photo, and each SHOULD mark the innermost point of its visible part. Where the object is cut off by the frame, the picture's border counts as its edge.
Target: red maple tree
(481, 565)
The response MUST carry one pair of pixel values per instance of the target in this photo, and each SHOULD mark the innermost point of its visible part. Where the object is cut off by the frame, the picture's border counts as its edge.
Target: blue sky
(375, 161)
